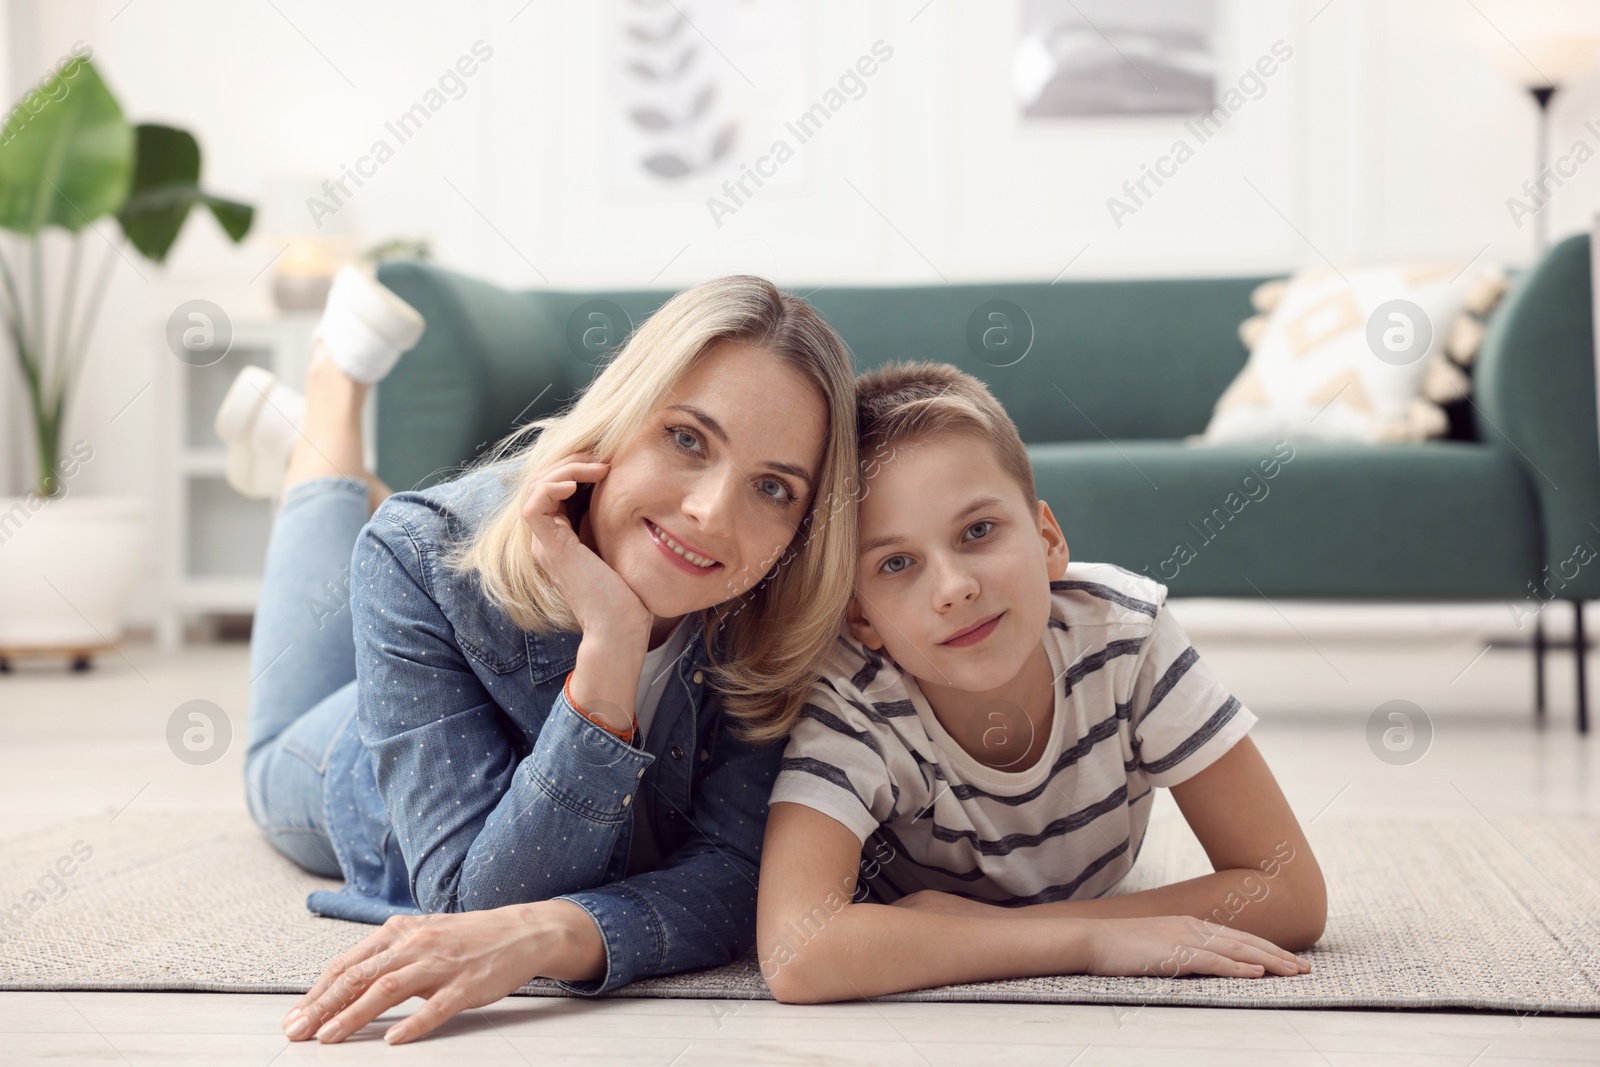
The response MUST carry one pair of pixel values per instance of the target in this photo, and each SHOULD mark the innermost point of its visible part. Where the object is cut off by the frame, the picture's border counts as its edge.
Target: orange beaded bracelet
(566, 688)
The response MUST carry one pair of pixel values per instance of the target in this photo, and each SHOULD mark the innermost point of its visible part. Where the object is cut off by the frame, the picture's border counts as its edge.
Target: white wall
(1388, 134)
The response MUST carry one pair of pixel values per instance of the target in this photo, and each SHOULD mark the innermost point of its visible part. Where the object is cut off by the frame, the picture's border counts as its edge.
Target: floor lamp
(1541, 55)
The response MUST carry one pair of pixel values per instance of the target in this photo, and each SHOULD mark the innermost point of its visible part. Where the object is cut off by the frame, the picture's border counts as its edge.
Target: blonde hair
(899, 404)
(775, 633)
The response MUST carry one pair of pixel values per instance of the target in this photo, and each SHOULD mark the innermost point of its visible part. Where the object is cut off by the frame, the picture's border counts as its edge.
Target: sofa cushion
(1319, 519)
(1343, 357)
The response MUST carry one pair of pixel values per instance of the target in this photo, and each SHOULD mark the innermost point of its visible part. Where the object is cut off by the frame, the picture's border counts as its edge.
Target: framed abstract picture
(1114, 57)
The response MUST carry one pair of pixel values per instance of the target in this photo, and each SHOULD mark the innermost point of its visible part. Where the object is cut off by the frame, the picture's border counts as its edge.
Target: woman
(540, 745)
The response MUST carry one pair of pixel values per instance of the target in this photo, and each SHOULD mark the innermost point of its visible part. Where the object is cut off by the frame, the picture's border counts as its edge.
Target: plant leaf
(66, 153)
(232, 216)
(166, 185)
(166, 176)
(164, 155)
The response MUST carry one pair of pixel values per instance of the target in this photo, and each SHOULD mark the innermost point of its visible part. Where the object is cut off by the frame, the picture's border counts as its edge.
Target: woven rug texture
(1442, 913)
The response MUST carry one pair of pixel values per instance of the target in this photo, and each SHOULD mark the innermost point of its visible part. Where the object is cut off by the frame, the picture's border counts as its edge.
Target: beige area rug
(1422, 914)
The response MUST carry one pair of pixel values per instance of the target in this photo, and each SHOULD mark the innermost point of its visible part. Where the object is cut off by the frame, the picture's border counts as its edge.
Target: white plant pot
(68, 569)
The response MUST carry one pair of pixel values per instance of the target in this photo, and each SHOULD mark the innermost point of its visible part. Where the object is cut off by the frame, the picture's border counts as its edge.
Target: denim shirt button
(699, 676)
(641, 772)
(677, 753)
(627, 798)
(704, 755)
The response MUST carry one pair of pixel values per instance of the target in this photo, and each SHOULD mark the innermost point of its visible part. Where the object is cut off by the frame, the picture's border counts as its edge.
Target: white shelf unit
(213, 540)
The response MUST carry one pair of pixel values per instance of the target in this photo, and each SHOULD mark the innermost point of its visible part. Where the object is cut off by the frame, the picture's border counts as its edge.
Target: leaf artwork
(661, 36)
(671, 108)
(707, 97)
(685, 61)
(724, 141)
(667, 165)
(649, 118)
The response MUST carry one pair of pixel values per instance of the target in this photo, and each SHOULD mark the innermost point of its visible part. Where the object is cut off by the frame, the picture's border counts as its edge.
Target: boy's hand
(1173, 945)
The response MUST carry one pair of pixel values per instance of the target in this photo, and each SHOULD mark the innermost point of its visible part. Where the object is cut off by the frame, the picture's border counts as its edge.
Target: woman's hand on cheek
(597, 595)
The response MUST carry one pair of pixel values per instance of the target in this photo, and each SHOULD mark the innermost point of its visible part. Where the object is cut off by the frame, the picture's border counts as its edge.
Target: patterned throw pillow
(1358, 355)
(1448, 380)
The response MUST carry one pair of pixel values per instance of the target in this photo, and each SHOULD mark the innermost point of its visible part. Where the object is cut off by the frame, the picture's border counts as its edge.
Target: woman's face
(723, 470)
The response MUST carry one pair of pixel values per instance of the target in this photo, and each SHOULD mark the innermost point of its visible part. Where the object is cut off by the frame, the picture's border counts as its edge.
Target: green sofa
(1104, 380)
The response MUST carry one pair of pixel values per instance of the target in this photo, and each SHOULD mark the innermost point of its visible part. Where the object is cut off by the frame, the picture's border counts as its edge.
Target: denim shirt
(470, 782)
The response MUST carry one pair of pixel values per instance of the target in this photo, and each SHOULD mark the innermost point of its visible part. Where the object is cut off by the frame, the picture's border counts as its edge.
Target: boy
(986, 740)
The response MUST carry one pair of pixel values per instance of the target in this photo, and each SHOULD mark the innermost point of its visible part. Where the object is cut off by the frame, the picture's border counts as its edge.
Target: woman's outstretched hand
(455, 961)
(599, 598)
(1171, 945)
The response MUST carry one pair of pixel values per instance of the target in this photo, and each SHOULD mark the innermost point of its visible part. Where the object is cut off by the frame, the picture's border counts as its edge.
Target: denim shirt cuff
(586, 768)
(630, 931)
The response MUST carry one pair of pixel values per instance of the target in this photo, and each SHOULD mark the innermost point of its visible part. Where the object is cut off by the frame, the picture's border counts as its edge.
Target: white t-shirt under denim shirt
(658, 668)
(658, 663)
(1135, 708)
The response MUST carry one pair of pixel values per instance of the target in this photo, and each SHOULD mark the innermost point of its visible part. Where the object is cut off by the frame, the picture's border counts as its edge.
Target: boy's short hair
(899, 404)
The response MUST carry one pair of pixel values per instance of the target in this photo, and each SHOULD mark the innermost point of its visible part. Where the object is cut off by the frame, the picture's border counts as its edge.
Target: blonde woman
(541, 742)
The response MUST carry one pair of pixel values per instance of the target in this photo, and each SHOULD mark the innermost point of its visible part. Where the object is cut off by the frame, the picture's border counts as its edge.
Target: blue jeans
(303, 666)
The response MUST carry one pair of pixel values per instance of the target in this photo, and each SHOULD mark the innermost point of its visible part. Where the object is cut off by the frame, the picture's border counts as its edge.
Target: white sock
(366, 326)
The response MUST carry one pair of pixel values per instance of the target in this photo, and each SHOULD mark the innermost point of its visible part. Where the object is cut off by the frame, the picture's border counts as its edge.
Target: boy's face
(949, 543)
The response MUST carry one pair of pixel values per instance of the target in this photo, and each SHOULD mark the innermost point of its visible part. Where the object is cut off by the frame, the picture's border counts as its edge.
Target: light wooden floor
(82, 745)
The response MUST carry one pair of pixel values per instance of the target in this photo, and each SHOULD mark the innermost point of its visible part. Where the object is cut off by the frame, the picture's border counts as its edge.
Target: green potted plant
(68, 157)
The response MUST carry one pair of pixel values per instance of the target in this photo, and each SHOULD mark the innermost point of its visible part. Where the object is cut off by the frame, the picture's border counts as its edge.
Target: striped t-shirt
(1135, 708)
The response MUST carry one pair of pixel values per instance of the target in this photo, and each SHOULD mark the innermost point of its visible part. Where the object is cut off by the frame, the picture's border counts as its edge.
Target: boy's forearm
(867, 950)
(1283, 912)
